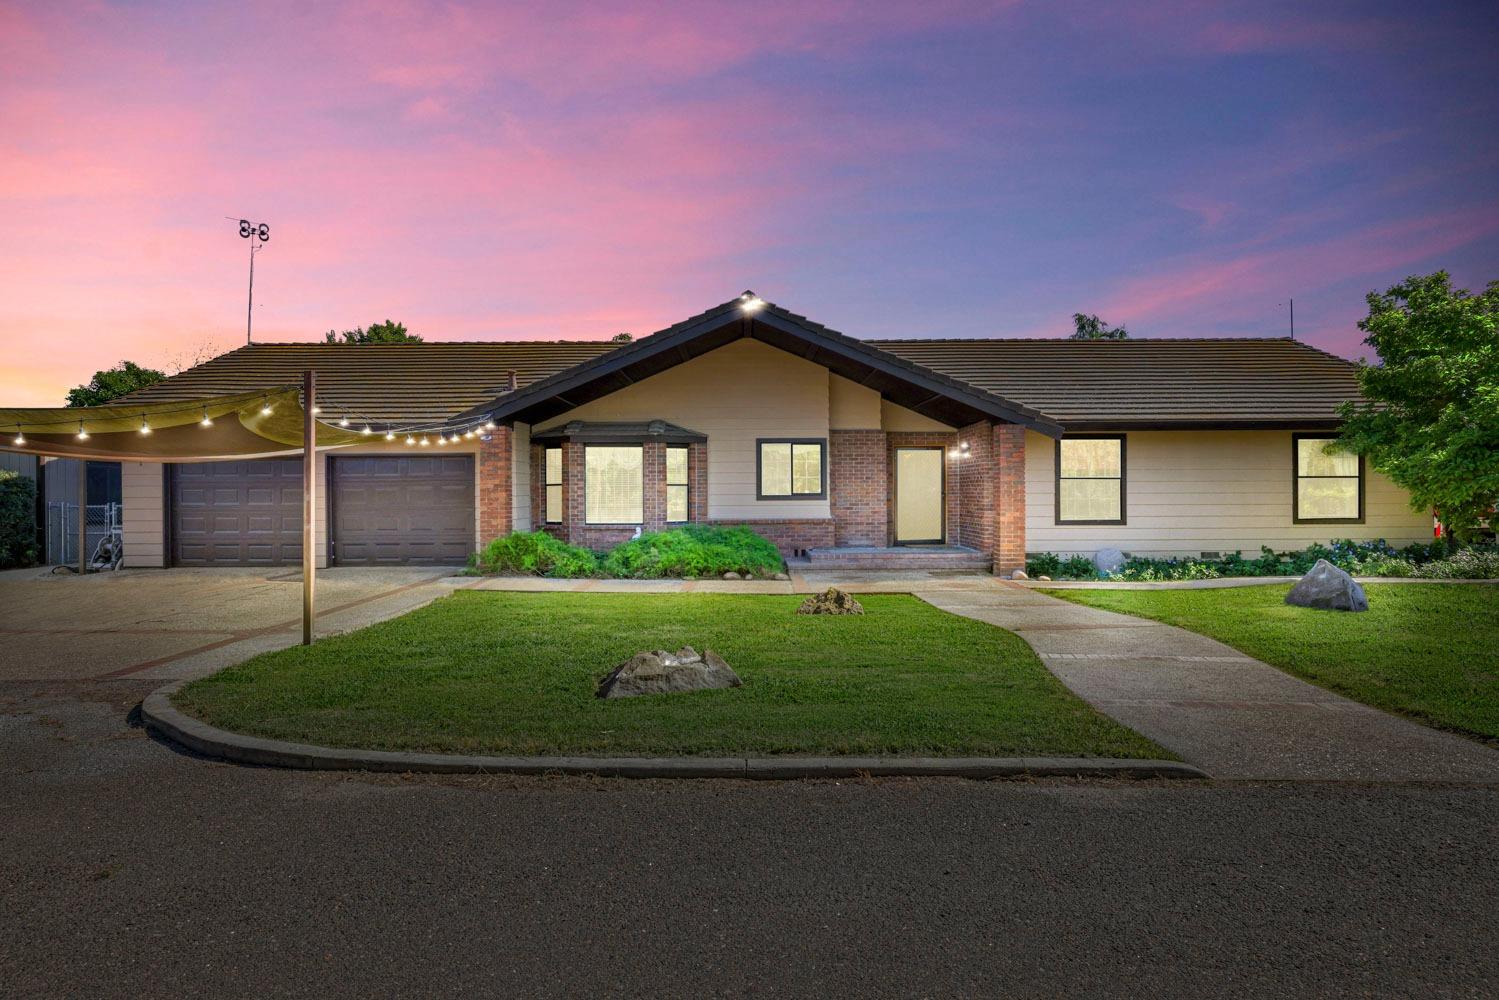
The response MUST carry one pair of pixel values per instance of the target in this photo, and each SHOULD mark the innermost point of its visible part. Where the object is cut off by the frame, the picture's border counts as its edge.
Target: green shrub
(693, 550)
(536, 553)
(1043, 564)
(17, 521)
(1468, 564)
(1386, 566)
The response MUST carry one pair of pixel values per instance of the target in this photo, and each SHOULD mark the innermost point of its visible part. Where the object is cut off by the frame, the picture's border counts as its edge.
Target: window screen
(1090, 480)
(613, 485)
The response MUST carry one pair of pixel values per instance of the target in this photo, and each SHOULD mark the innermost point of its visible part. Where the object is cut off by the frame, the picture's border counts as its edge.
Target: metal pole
(309, 502)
(82, 516)
(250, 301)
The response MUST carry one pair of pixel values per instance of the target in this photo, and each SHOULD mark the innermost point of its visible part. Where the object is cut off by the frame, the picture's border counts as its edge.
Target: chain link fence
(101, 534)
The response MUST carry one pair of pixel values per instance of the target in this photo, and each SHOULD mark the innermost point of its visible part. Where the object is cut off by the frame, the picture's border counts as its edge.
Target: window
(792, 470)
(554, 485)
(613, 484)
(676, 484)
(1329, 487)
(1090, 480)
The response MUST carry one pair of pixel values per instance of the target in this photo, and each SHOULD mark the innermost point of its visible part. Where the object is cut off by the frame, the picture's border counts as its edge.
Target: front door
(918, 496)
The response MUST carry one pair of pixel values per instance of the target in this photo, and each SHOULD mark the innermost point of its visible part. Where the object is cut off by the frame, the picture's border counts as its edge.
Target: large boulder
(831, 602)
(1327, 587)
(1108, 560)
(661, 672)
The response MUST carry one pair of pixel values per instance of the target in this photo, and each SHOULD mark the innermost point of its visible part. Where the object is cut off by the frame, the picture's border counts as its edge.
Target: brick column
(1009, 498)
(858, 487)
(496, 505)
(697, 482)
(653, 494)
(975, 487)
(572, 492)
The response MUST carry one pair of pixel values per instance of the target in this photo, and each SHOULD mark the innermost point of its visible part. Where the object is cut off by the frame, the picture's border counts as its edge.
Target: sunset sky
(549, 170)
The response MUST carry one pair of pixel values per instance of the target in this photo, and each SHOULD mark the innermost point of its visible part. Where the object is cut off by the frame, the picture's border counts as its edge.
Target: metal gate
(102, 526)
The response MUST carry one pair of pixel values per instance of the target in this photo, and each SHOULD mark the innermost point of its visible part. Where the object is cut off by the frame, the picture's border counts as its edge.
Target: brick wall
(496, 505)
(858, 487)
(1009, 498)
(930, 439)
(975, 488)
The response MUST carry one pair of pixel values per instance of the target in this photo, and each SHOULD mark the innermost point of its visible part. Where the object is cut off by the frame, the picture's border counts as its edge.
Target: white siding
(1193, 491)
(520, 478)
(142, 514)
(740, 392)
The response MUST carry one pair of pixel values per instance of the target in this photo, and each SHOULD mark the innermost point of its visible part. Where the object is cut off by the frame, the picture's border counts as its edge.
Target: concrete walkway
(1229, 714)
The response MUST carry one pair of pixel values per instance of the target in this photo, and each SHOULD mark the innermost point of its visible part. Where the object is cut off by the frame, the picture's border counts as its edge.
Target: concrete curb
(165, 720)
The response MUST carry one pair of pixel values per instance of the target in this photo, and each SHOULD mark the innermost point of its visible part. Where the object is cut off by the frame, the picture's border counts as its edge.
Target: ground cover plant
(1375, 558)
(515, 673)
(1422, 650)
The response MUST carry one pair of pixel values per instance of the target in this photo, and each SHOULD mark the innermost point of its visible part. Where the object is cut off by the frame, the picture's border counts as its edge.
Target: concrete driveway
(167, 624)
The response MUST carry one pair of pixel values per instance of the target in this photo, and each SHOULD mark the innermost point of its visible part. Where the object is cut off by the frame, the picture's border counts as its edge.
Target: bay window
(676, 485)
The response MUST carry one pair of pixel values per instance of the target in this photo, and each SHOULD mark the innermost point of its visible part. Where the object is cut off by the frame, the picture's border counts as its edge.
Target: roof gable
(897, 379)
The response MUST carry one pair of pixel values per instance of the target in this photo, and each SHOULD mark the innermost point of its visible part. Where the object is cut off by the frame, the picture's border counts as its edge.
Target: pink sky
(558, 170)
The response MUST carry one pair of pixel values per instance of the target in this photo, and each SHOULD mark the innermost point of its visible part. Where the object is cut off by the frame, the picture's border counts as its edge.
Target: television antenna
(258, 233)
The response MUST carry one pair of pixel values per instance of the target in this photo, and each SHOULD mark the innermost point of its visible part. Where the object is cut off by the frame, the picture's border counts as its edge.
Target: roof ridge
(1071, 340)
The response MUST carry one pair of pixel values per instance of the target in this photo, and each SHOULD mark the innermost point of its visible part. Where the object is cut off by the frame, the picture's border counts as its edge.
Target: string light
(265, 408)
(145, 427)
(469, 434)
(442, 439)
(207, 421)
(20, 437)
(343, 421)
(425, 442)
(82, 434)
(366, 430)
(390, 435)
(489, 425)
(410, 439)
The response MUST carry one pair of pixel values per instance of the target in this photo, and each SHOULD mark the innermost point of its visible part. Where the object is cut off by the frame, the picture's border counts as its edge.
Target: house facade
(750, 414)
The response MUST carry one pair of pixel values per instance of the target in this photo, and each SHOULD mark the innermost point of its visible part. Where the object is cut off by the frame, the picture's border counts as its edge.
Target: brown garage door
(245, 513)
(393, 509)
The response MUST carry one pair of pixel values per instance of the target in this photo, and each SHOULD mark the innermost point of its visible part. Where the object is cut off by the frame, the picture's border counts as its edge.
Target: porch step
(932, 557)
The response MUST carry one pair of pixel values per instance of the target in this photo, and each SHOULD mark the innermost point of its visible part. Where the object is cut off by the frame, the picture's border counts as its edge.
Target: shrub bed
(1376, 558)
(18, 546)
(689, 552)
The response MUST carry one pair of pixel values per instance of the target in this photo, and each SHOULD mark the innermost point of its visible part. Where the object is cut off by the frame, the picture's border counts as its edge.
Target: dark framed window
(791, 468)
(1326, 488)
(1090, 479)
(553, 481)
(677, 494)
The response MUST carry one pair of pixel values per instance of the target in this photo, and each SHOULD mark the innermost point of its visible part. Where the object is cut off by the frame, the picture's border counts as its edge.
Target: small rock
(830, 602)
(1108, 560)
(1019, 574)
(782, 576)
(662, 672)
(1043, 576)
(732, 576)
(1328, 588)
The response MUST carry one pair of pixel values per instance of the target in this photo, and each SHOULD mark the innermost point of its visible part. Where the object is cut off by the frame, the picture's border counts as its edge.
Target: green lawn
(1429, 651)
(515, 673)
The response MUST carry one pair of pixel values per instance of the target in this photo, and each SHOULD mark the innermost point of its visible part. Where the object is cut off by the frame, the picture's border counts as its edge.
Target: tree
(1093, 328)
(376, 333)
(112, 383)
(1430, 415)
(622, 338)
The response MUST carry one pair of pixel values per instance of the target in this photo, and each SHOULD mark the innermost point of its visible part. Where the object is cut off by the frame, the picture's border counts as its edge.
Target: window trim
(547, 484)
(822, 469)
(686, 484)
(614, 524)
(1056, 475)
(1297, 477)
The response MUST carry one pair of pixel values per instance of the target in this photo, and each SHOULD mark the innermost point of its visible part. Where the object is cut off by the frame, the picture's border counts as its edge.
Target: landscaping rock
(731, 575)
(782, 576)
(1329, 588)
(1019, 574)
(661, 672)
(830, 602)
(1044, 577)
(1108, 560)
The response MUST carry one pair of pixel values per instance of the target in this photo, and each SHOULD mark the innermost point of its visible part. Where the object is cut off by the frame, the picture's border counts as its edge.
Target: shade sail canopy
(241, 425)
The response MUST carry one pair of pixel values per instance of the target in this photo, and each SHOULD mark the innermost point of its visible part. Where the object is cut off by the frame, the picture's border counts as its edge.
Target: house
(751, 414)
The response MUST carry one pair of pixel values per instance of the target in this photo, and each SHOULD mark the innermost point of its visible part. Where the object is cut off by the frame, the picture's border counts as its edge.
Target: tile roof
(1151, 382)
(1080, 384)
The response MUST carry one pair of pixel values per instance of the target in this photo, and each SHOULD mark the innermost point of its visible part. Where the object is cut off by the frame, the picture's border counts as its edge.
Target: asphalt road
(129, 869)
